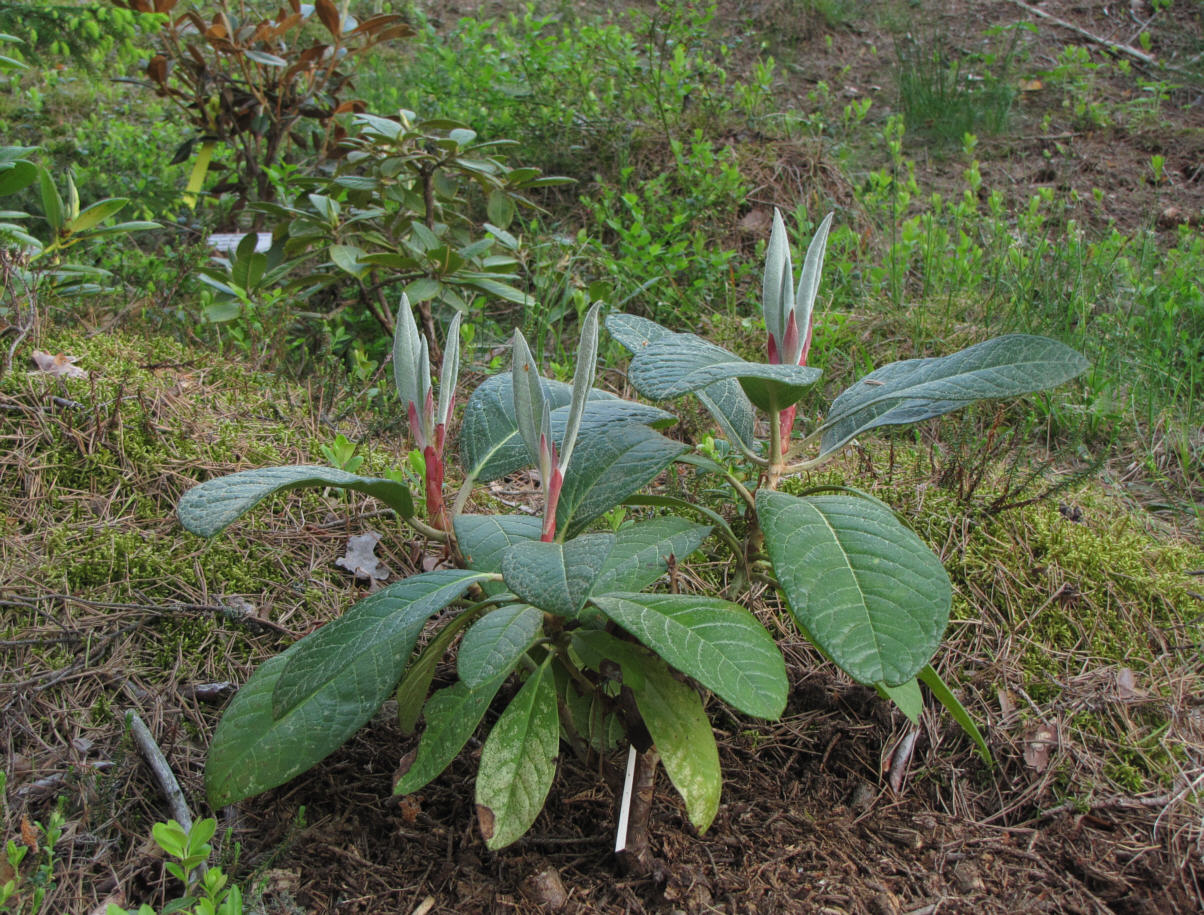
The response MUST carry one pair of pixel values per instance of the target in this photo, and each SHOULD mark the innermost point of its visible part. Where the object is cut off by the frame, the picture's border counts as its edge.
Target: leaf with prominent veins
(870, 593)
(372, 641)
(725, 400)
(611, 464)
(496, 642)
(490, 443)
(556, 577)
(212, 506)
(641, 552)
(344, 674)
(915, 389)
(671, 367)
(518, 761)
(718, 643)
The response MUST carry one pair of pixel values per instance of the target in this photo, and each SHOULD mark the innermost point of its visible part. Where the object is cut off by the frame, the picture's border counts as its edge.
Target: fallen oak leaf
(60, 365)
(1038, 744)
(360, 559)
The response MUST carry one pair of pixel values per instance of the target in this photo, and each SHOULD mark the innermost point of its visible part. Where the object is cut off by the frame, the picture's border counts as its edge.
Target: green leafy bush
(585, 92)
(87, 34)
(260, 84)
(395, 215)
(564, 609)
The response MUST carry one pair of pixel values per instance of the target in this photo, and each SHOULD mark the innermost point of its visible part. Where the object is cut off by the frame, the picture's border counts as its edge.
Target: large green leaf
(683, 363)
(556, 577)
(718, 643)
(255, 749)
(16, 175)
(490, 443)
(611, 463)
(641, 551)
(494, 644)
(252, 751)
(52, 203)
(725, 400)
(212, 506)
(870, 593)
(370, 643)
(452, 716)
(416, 681)
(484, 540)
(518, 761)
(96, 214)
(916, 389)
(673, 713)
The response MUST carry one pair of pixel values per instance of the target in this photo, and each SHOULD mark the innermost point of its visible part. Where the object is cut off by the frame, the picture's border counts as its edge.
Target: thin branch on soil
(1120, 802)
(159, 766)
(1104, 42)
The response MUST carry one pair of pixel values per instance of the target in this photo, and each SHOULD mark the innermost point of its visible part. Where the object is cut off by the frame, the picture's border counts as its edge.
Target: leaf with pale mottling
(518, 761)
(452, 716)
(556, 577)
(494, 644)
(916, 389)
(673, 713)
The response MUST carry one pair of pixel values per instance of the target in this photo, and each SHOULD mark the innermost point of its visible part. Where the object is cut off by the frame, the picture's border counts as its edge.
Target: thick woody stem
(636, 857)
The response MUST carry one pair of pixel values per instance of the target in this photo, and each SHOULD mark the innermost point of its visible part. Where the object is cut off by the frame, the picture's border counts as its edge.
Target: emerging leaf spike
(813, 265)
(583, 380)
(555, 484)
(450, 374)
(407, 354)
(528, 394)
(777, 298)
(772, 349)
(802, 360)
(792, 347)
(415, 424)
(428, 417)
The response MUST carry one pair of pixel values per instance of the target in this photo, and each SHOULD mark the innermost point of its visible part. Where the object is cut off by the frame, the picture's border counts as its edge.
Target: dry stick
(163, 774)
(1070, 26)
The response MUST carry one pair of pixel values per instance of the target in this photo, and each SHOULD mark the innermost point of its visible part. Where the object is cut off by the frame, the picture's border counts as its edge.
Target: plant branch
(163, 775)
(430, 533)
(462, 496)
(773, 472)
(1141, 56)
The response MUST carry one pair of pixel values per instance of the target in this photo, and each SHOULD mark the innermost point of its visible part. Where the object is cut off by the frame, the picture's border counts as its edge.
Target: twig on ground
(1119, 802)
(159, 766)
(1078, 30)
